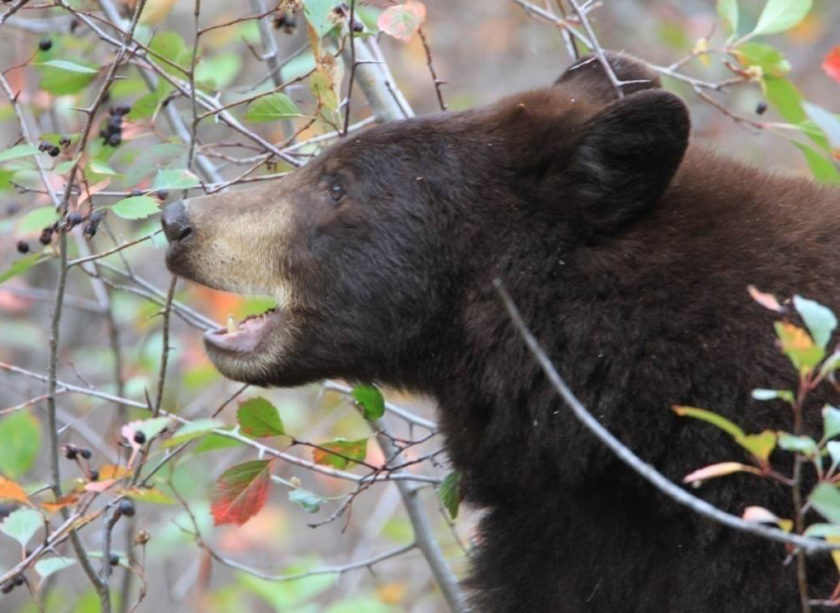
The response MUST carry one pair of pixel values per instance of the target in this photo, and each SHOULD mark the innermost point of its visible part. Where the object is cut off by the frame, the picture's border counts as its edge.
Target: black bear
(628, 251)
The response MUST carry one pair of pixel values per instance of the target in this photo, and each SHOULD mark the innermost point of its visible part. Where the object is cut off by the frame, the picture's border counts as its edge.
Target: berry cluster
(12, 584)
(52, 150)
(286, 21)
(112, 132)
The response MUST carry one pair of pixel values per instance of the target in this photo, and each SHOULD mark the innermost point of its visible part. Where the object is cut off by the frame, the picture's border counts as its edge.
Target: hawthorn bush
(131, 474)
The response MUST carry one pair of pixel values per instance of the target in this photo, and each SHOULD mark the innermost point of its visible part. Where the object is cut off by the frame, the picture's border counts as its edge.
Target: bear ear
(589, 75)
(626, 157)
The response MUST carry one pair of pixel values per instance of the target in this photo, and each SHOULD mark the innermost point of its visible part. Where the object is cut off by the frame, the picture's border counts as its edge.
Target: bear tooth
(231, 325)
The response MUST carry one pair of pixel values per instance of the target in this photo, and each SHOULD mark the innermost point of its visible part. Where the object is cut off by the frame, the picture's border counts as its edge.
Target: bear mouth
(245, 336)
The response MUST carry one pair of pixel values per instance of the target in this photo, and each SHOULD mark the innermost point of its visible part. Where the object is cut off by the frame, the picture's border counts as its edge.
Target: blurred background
(483, 50)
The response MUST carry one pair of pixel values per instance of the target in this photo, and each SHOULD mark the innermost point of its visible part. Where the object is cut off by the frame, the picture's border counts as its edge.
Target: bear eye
(337, 192)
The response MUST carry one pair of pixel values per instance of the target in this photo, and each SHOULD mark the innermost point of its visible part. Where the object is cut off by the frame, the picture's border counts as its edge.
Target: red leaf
(403, 20)
(241, 492)
(9, 490)
(831, 64)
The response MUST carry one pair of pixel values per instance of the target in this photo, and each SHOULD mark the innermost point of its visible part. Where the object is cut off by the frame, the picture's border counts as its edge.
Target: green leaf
(20, 434)
(241, 492)
(712, 418)
(179, 178)
(798, 346)
(370, 399)
(22, 524)
(833, 448)
(783, 95)
(728, 13)
(101, 168)
(781, 15)
(797, 444)
(272, 107)
(18, 151)
(760, 445)
(47, 566)
(218, 71)
(70, 66)
(348, 451)
(171, 46)
(823, 169)
(213, 442)
(771, 60)
(151, 427)
(819, 319)
(319, 15)
(192, 430)
(449, 493)
(21, 265)
(764, 394)
(826, 499)
(822, 531)
(830, 364)
(311, 503)
(827, 122)
(831, 422)
(37, 219)
(135, 207)
(62, 77)
(258, 417)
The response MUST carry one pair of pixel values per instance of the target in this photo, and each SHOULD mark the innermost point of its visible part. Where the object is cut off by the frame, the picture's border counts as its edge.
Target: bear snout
(175, 222)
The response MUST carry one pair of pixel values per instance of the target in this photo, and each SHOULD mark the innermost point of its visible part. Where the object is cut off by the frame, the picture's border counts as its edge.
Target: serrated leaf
(311, 503)
(171, 46)
(781, 15)
(797, 444)
(728, 12)
(449, 493)
(213, 442)
(349, 451)
(22, 524)
(258, 417)
(717, 470)
(20, 434)
(63, 77)
(135, 207)
(47, 566)
(826, 500)
(9, 490)
(37, 219)
(370, 399)
(241, 492)
(21, 265)
(819, 319)
(179, 178)
(18, 151)
(403, 20)
(319, 15)
(712, 418)
(192, 430)
(271, 108)
(798, 346)
(217, 71)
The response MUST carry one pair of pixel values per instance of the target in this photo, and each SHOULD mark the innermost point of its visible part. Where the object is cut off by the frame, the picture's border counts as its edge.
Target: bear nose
(176, 224)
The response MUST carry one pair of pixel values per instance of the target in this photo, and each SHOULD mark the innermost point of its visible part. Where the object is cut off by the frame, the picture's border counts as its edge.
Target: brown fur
(628, 252)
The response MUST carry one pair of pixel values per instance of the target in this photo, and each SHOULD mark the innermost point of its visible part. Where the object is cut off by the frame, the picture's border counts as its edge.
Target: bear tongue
(245, 336)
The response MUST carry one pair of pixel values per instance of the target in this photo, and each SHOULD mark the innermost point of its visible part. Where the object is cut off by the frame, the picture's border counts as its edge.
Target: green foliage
(309, 502)
(370, 400)
(271, 108)
(781, 15)
(339, 453)
(450, 494)
(22, 524)
(18, 151)
(175, 178)
(258, 417)
(135, 207)
(37, 218)
(70, 76)
(20, 434)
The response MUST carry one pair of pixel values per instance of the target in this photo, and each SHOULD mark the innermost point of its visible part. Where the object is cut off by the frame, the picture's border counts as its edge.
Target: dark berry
(46, 236)
(126, 507)
(139, 437)
(18, 579)
(70, 452)
(285, 21)
(74, 219)
(94, 475)
(114, 139)
(113, 559)
(64, 141)
(86, 453)
(53, 150)
(44, 146)
(136, 192)
(162, 194)
(7, 587)
(123, 109)
(115, 123)
(93, 223)
(761, 108)
(74, 23)
(358, 26)
(22, 247)
(45, 44)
